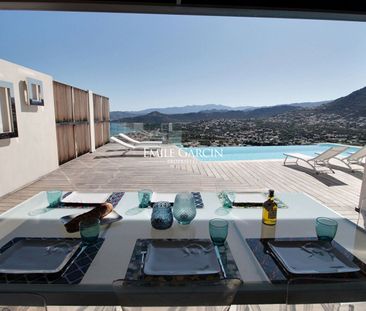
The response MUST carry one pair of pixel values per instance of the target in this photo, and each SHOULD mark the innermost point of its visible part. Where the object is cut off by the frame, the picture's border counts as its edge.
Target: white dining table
(32, 218)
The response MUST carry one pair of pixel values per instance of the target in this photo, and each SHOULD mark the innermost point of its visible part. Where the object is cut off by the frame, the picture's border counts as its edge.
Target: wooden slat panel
(81, 108)
(65, 143)
(105, 108)
(71, 107)
(97, 108)
(63, 102)
(106, 133)
(82, 138)
(98, 130)
(105, 116)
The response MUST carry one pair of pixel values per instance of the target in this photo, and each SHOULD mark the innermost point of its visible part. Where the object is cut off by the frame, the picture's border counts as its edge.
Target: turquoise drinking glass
(144, 198)
(218, 231)
(184, 208)
(326, 228)
(54, 198)
(227, 198)
(89, 230)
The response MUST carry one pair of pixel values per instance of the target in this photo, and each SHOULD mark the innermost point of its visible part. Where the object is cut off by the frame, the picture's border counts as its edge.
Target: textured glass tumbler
(184, 208)
(218, 231)
(227, 198)
(89, 230)
(162, 216)
(326, 228)
(54, 198)
(144, 198)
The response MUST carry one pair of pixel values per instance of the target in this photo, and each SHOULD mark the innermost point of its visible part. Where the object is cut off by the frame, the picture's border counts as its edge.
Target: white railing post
(91, 122)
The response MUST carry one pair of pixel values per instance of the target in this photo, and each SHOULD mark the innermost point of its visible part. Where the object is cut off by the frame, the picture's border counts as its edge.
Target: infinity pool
(256, 153)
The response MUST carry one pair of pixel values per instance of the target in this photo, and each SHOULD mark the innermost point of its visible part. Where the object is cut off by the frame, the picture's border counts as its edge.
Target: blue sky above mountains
(143, 61)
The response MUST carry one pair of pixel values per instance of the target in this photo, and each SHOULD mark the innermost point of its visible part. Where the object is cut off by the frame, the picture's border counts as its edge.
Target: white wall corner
(91, 121)
(37, 136)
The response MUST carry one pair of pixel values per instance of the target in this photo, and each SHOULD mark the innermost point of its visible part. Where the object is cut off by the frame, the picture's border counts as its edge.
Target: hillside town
(285, 129)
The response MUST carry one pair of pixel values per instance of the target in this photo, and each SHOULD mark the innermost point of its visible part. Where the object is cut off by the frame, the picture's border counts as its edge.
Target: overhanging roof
(345, 10)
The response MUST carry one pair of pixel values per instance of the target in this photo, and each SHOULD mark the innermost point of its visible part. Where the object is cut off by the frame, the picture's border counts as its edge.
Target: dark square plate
(311, 257)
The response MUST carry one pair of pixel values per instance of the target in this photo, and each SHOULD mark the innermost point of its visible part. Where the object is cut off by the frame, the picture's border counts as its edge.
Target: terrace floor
(111, 169)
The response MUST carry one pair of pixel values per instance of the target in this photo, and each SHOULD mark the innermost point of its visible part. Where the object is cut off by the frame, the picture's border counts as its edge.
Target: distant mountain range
(115, 115)
(311, 104)
(352, 106)
(156, 117)
(213, 110)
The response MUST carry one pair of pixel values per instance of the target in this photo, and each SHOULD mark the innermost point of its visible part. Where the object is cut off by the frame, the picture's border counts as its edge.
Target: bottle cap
(271, 192)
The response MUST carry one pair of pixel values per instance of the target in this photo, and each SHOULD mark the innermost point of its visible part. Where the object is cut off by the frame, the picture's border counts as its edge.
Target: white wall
(34, 152)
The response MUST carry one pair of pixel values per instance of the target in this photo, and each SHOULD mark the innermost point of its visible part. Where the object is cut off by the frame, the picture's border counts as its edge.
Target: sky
(144, 61)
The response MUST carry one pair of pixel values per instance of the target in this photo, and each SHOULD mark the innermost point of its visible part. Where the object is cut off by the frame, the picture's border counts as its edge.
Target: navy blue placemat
(198, 199)
(73, 272)
(114, 199)
(134, 271)
(278, 274)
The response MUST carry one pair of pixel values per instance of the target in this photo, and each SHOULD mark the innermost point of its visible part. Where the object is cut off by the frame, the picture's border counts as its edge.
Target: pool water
(257, 152)
(116, 128)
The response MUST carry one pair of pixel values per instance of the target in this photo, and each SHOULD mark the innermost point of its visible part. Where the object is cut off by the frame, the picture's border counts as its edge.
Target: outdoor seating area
(120, 263)
(124, 261)
(321, 162)
(189, 156)
(354, 160)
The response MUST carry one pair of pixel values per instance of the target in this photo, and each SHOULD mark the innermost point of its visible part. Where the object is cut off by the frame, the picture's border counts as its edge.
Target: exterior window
(8, 124)
(35, 92)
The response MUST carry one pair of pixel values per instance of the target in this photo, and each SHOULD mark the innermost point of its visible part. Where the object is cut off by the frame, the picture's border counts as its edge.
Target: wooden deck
(108, 169)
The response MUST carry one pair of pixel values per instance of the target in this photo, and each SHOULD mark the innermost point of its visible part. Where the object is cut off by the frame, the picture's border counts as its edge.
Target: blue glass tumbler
(326, 228)
(161, 216)
(144, 197)
(54, 198)
(218, 229)
(89, 230)
(227, 198)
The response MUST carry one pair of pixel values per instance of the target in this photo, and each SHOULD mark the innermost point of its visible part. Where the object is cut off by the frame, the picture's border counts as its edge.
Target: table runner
(280, 204)
(73, 272)
(278, 275)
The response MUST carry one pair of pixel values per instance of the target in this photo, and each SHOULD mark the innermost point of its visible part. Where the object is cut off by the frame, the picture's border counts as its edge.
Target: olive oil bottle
(269, 213)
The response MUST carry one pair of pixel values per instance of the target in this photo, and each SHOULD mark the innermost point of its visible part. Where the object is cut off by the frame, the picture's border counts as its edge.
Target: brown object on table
(98, 212)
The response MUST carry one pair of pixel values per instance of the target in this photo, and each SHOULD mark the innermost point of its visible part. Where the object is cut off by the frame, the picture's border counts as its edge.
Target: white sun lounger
(319, 163)
(354, 158)
(136, 142)
(132, 147)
